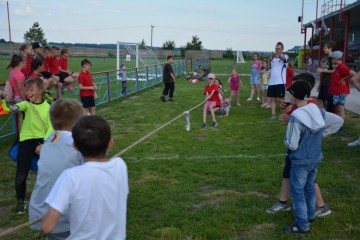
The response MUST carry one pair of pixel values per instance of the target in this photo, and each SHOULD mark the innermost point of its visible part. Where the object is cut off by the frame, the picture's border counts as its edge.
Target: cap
(227, 101)
(85, 61)
(122, 65)
(36, 45)
(300, 90)
(337, 54)
(211, 75)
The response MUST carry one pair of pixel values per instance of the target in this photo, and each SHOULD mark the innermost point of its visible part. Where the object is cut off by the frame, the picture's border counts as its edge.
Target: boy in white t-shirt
(57, 154)
(94, 194)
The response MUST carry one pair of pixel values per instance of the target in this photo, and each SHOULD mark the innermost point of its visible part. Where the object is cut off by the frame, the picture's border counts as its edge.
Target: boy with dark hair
(306, 127)
(95, 193)
(87, 87)
(168, 79)
(325, 71)
(56, 155)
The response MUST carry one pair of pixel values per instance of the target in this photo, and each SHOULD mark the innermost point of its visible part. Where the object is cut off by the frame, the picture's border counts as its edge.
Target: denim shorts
(339, 99)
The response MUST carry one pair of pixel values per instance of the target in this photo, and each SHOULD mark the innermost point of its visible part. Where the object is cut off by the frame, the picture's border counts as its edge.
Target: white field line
(210, 157)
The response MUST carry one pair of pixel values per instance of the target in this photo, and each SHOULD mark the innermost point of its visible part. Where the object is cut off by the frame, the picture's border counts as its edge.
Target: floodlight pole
(152, 27)
(7, 3)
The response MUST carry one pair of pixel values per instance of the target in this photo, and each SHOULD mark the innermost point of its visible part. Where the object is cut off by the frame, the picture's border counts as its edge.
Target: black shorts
(46, 74)
(276, 91)
(88, 101)
(287, 166)
(62, 76)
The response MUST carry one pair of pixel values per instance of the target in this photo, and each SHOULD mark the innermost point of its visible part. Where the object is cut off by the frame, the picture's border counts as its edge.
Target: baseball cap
(300, 90)
(36, 45)
(337, 54)
(211, 75)
(85, 61)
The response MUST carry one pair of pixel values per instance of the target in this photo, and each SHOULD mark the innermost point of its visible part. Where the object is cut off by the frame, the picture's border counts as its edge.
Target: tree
(142, 44)
(35, 34)
(195, 44)
(168, 45)
(228, 53)
(182, 51)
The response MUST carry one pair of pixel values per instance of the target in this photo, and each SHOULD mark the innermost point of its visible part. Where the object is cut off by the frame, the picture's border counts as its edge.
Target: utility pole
(11, 50)
(152, 27)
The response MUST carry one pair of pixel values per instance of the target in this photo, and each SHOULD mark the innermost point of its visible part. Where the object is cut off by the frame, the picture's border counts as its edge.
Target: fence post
(147, 76)
(108, 86)
(137, 79)
(156, 76)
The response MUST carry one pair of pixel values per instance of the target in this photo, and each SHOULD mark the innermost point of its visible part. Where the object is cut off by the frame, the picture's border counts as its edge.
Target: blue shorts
(339, 99)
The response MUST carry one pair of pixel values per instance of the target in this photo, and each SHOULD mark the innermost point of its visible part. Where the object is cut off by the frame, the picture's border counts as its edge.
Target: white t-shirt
(95, 197)
(278, 70)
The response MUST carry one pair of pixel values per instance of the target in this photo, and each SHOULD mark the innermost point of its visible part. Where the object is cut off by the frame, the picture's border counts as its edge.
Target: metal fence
(109, 87)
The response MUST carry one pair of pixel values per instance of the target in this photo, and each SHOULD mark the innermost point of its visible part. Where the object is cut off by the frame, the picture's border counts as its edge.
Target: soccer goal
(239, 57)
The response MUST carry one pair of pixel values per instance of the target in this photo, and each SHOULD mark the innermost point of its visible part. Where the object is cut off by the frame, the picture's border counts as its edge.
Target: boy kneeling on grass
(94, 195)
(306, 127)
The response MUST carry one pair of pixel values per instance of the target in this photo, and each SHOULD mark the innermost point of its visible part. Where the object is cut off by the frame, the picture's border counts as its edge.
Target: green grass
(210, 183)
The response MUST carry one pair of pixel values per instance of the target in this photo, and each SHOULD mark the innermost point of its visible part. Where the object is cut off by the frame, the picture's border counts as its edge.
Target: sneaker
(249, 99)
(273, 117)
(171, 99)
(163, 98)
(354, 143)
(238, 104)
(278, 207)
(267, 106)
(258, 98)
(323, 211)
(214, 124)
(203, 125)
(70, 88)
(20, 207)
(295, 229)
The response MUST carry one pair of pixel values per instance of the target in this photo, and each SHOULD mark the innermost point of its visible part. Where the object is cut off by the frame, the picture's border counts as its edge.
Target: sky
(254, 25)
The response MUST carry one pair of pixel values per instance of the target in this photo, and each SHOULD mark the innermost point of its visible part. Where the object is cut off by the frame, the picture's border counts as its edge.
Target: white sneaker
(238, 104)
(258, 98)
(249, 99)
(354, 143)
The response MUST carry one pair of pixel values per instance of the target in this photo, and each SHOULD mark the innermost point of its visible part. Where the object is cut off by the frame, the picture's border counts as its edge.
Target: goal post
(239, 57)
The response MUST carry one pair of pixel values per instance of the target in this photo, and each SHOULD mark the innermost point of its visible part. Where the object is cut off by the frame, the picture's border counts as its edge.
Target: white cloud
(24, 12)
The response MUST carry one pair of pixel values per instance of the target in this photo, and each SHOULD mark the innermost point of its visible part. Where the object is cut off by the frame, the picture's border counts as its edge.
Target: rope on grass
(19, 227)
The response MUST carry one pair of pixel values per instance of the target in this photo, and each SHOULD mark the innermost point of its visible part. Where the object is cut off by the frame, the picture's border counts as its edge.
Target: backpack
(8, 92)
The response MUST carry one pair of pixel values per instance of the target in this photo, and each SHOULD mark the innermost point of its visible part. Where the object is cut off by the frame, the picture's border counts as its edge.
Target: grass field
(212, 183)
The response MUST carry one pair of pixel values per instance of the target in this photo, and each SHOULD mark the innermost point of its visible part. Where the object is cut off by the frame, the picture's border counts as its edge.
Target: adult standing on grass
(168, 79)
(277, 64)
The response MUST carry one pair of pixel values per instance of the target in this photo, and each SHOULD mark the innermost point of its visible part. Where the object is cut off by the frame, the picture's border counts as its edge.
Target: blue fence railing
(109, 87)
(196, 62)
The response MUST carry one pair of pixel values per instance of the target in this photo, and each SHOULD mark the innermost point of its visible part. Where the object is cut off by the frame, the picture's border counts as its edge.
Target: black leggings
(25, 155)
(169, 87)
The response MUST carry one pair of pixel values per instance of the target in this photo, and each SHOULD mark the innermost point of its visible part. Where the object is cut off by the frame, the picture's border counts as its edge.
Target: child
(17, 77)
(265, 75)
(68, 76)
(219, 84)
(56, 155)
(339, 84)
(37, 68)
(37, 49)
(35, 128)
(26, 52)
(282, 204)
(225, 107)
(255, 77)
(212, 100)
(289, 75)
(87, 87)
(123, 79)
(235, 85)
(306, 127)
(93, 194)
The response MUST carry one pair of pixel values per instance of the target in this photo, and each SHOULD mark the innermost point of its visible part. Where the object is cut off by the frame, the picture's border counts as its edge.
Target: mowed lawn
(212, 183)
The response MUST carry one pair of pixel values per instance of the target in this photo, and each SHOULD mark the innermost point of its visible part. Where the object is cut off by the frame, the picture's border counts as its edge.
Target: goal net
(239, 57)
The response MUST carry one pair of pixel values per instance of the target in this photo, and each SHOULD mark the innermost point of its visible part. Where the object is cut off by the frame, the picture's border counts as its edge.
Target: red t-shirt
(53, 66)
(26, 70)
(47, 62)
(85, 79)
(294, 107)
(336, 87)
(34, 75)
(63, 63)
(215, 97)
(289, 76)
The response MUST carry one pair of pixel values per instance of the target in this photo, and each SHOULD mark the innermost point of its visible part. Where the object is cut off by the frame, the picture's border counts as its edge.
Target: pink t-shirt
(16, 75)
(234, 81)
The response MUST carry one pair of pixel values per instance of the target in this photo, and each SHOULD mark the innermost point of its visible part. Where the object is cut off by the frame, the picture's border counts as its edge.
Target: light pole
(152, 27)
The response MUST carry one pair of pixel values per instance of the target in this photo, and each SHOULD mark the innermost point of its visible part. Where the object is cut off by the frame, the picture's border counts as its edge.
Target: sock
(282, 202)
